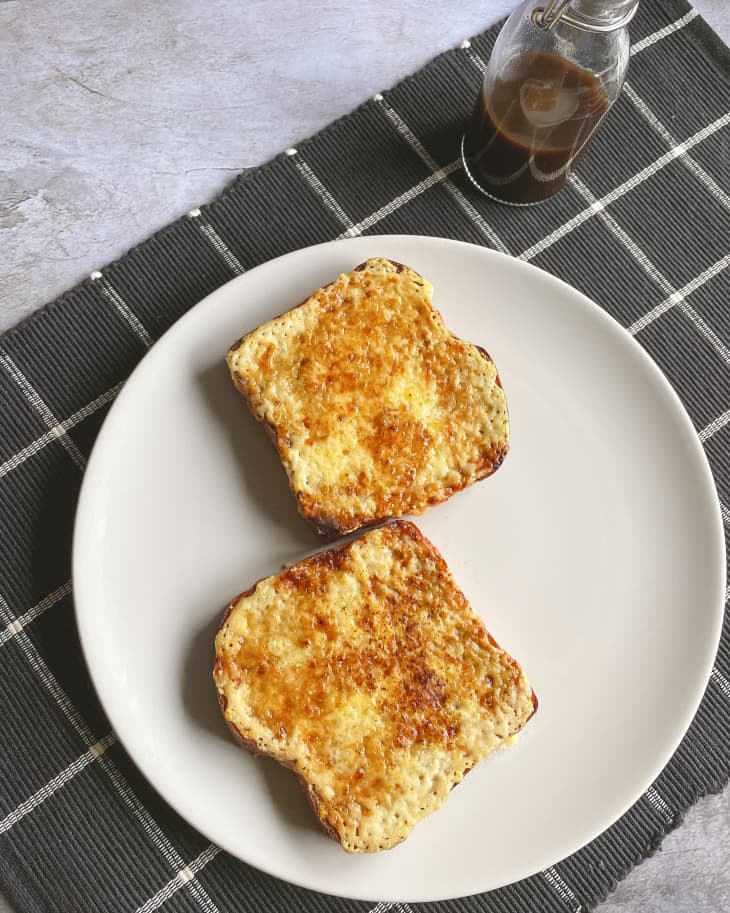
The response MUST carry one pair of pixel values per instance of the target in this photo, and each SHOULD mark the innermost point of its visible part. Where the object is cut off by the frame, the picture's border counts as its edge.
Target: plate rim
(84, 505)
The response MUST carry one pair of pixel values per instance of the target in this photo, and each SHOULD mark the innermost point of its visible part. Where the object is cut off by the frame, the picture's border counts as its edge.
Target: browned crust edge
(307, 789)
(399, 267)
(415, 533)
(250, 745)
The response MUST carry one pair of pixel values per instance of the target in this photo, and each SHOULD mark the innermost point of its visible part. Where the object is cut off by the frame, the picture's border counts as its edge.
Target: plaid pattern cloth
(643, 228)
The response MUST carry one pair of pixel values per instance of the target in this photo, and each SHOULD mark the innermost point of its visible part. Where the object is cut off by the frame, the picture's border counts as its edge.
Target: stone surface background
(117, 117)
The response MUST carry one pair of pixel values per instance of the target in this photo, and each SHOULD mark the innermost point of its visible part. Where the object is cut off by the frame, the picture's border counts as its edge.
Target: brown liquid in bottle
(525, 135)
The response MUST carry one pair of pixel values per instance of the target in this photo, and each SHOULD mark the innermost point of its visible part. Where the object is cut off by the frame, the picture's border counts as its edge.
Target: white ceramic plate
(594, 554)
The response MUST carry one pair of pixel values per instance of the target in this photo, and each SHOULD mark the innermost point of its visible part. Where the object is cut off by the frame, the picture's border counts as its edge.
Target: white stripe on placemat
(662, 33)
(558, 884)
(58, 430)
(435, 178)
(641, 258)
(318, 187)
(405, 131)
(185, 875)
(633, 248)
(112, 295)
(725, 513)
(473, 56)
(153, 830)
(383, 907)
(15, 627)
(680, 294)
(714, 426)
(93, 753)
(706, 330)
(48, 679)
(659, 804)
(583, 216)
(697, 170)
(719, 679)
(124, 790)
(216, 242)
(40, 406)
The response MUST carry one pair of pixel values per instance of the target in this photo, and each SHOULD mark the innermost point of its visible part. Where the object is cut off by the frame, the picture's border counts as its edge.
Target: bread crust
(306, 788)
(334, 513)
(416, 721)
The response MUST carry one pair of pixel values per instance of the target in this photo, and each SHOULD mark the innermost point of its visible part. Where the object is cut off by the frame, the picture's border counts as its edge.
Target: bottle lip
(600, 16)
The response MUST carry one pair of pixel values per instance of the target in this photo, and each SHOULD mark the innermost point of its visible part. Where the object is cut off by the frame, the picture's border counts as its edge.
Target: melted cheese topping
(377, 410)
(366, 670)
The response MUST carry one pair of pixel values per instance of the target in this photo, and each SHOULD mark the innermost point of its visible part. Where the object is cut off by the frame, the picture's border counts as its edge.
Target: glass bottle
(554, 72)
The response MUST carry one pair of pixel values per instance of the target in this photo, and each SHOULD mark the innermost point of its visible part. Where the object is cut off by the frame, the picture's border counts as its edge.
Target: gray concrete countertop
(119, 117)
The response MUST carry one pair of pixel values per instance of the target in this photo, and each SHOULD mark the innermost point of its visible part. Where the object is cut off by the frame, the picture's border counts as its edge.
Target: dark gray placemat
(643, 229)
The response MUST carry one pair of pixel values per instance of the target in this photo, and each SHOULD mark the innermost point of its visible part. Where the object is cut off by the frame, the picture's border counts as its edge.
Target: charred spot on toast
(332, 559)
(496, 457)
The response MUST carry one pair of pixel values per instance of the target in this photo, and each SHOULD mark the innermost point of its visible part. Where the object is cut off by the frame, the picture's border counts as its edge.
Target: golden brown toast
(365, 670)
(376, 409)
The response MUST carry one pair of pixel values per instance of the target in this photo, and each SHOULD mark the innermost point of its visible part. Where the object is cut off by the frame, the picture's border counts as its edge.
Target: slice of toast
(365, 670)
(376, 409)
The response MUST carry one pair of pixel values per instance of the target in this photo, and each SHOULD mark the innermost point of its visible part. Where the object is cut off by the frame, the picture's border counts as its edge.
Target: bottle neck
(600, 15)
